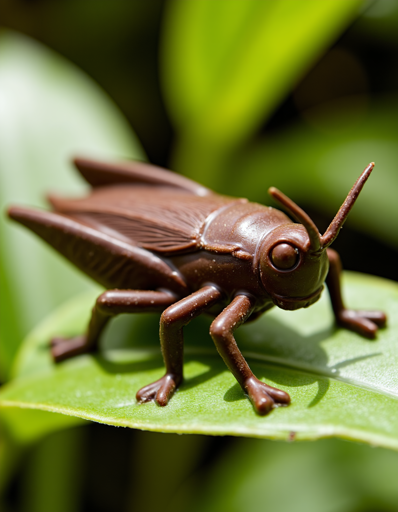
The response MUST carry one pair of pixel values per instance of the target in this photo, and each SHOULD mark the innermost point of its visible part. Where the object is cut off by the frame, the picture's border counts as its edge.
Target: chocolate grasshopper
(159, 242)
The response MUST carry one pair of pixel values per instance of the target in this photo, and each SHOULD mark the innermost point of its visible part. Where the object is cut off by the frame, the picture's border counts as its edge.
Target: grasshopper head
(293, 261)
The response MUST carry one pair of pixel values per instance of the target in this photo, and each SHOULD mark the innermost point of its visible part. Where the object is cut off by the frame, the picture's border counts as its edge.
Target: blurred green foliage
(328, 477)
(227, 65)
(50, 111)
(252, 100)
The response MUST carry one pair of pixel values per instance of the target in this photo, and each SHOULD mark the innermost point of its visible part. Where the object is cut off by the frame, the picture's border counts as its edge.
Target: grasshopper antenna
(318, 242)
(337, 223)
(298, 214)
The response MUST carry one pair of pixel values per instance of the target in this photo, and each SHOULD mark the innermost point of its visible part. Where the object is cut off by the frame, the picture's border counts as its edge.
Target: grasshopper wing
(99, 174)
(160, 219)
(109, 261)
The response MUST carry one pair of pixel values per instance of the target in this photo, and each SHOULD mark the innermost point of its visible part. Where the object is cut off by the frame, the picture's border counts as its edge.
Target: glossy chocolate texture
(160, 242)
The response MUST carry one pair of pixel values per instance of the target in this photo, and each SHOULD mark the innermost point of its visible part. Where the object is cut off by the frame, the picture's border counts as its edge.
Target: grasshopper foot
(263, 397)
(65, 348)
(161, 391)
(365, 323)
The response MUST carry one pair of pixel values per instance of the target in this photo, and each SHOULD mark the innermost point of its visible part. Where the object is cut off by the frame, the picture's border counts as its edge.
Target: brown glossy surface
(160, 242)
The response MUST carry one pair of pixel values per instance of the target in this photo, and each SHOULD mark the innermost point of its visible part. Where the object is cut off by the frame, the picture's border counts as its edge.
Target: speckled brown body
(160, 242)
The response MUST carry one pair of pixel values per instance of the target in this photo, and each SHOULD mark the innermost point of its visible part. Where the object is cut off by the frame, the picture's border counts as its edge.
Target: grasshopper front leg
(172, 322)
(365, 323)
(109, 304)
(263, 397)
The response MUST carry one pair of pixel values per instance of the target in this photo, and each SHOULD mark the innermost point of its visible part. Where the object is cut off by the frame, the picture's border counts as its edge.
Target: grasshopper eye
(284, 256)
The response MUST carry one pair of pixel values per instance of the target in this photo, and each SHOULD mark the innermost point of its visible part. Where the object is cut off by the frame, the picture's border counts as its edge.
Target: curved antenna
(298, 214)
(337, 223)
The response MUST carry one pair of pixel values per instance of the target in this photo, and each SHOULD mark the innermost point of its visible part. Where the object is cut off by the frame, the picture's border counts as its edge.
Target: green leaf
(340, 384)
(49, 111)
(228, 64)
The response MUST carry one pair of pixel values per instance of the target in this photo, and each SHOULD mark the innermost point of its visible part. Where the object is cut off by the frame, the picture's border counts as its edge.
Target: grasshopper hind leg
(65, 348)
(108, 305)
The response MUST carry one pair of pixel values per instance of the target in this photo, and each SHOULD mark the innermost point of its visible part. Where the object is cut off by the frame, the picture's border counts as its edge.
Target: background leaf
(327, 476)
(227, 64)
(49, 111)
(340, 384)
(317, 163)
